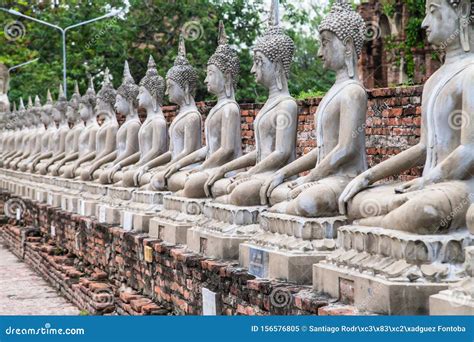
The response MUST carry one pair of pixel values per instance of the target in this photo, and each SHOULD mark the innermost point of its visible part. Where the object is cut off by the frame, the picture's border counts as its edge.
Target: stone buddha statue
(340, 154)
(30, 138)
(185, 130)
(437, 201)
(35, 141)
(10, 126)
(20, 140)
(4, 78)
(275, 125)
(72, 138)
(153, 134)
(127, 135)
(105, 143)
(222, 126)
(59, 138)
(48, 142)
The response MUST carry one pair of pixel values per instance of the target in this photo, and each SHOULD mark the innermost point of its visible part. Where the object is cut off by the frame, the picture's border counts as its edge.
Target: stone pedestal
(222, 228)
(289, 245)
(178, 215)
(391, 272)
(91, 197)
(111, 206)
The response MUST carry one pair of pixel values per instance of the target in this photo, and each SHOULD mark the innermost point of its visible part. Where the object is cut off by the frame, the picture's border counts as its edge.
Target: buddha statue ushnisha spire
(22, 105)
(153, 82)
(225, 58)
(107, 93)
(30, 102)
(274, 43)
(182, 72)
(128, 89)
(37, 101)
(49, 98)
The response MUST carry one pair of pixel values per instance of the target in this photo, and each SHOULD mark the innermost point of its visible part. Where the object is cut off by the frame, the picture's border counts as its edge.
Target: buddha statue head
(47, 107)
(273, 53)
(35, 111)
(72, 109)
(86, 103)
(60, 107)
(449, 23)
(22, 115)
(223, 67)
(126, 101)
(152, 87)
(342, 34)
(4, 78)
(106, 97)
(181, 79)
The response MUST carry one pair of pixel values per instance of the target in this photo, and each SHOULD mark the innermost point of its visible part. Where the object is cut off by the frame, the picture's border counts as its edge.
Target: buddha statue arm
(129, 160)
(88, 157)
(405, 160)
(132, 147)
(229, 124)
(192, 158)
(283, 149)
(158, 161)
(69, 158)
(103, 160)
(55, 159)
(159, 144)
(352, 116)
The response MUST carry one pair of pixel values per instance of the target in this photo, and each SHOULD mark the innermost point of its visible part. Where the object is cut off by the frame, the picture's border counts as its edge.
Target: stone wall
(103, 270)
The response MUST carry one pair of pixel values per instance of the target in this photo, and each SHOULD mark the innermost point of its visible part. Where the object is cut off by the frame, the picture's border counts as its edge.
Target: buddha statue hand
(239, 179)
(171, 170)
(113, 170)
(299, 189)
(218, 173)
(138, 174)
(359, 183)
(413, 185)
(269, 185)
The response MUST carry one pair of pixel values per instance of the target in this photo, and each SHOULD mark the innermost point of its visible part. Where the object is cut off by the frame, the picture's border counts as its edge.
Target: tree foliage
(149, 27)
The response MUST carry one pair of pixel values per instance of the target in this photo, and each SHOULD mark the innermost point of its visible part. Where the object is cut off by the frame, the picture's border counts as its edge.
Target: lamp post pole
(63, 33)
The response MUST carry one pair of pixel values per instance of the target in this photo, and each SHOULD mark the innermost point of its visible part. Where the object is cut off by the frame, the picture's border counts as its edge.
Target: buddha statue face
(145, 100)
(71, 114)
(441, 22)
(121, 105)
(331, 51)
(215, 80)
(84, 111)
(263, 69)
(175, 93)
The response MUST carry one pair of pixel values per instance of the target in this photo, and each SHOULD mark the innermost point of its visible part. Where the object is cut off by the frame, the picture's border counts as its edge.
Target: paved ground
(23, 292)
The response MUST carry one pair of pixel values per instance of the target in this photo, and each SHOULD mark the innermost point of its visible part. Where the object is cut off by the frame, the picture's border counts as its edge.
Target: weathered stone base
(289, 246)
(452, 302)
(178, 215)
(391, 272)
(222, 229)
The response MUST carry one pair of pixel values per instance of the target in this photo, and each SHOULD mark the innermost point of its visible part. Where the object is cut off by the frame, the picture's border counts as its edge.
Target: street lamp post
(63, 32)
(21, 65)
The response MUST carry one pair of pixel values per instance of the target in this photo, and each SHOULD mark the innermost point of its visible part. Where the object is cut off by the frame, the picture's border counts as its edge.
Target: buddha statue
(153, 134)
(59, 138)
(340, 154)
(48, 143)
(35, 141)
(222, 127)
(437, 201)
(127, 135)
(24, 125)
(275, 125)
(4, 78)
(105, 141)
(30, 138)
(10, 128)
(77, 127)
(185, 130)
